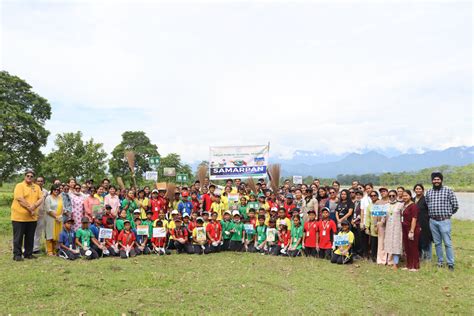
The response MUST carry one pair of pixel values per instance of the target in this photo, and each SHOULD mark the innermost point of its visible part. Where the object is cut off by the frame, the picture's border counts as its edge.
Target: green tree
(139, 143)
(23, 114)
(75, 158)
(173, 160)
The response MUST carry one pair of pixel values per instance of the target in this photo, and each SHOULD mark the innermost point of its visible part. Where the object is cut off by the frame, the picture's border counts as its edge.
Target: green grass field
(230, 283)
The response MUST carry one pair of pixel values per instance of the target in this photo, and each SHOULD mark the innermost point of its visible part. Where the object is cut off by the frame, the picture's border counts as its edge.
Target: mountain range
(307, 163)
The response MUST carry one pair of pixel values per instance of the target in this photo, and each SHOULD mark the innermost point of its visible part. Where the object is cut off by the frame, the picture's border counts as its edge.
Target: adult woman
(100, 194)
(322, 197)
(113, 200)
(143, 203)
(381, 253)
(331, 204)
(424, 221)
(130, 204)
(411, 231)
(90, 202)
(371, 225)
(393, 230)
(345, 207)
(311, 202)
(77, 202)
(400, 191)
(53, 206)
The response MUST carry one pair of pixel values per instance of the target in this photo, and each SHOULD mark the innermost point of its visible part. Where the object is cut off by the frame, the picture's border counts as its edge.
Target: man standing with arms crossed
(27, 197)
(442, 204)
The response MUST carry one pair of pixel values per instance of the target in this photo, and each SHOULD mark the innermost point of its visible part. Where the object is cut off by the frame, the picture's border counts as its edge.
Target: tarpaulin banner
(232, 162)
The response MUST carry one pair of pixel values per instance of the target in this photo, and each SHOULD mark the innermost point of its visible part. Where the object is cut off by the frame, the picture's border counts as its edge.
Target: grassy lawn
(229, 283)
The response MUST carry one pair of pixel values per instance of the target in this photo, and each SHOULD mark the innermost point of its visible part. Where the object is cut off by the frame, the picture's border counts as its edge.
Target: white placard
(298, 179)
(105, 233)
(159, 232)
(151, 175)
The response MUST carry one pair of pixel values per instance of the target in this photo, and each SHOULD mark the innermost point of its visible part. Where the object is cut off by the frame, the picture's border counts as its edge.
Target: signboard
(271, 234)
(341, 240)
(154, 161)
(297, 179)
(159, 232)
(151, 175)
(238, 162)
(105, 233)
(142, 230)
(379, 210)
(169, 172)
(253, 205)
(200, 234)
(181, 177)
(233, 199)
(249, 229)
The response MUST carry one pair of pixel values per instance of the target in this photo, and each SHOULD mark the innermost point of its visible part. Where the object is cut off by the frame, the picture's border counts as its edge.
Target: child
(180, 237)
(261, 211)
(284, 238)
(238, 233)
(185, 206)
(324, 237)
(199, 238)
(119, 222)
(249, 235)
(141, 241)
(159, 243)
(272, 238)
(226, 225)
(243, 209)
(309, 237)
(274, 213)
(282, 217)
(343, 253)
(85, 239)
(111, 243)
(296, 237)
(261, 235)
(218, 206)
(205, 217)
(108, 214)
(149, 222)
(126, 241)
(214, 233)
(67, 247)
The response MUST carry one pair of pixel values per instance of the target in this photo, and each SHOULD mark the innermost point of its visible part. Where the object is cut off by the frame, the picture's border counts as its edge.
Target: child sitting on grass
(85, 239)
(200, 238)
(67, 247)
(126, 241)
(284, 238)
(343, 252)
(159, 243)
(272, 237)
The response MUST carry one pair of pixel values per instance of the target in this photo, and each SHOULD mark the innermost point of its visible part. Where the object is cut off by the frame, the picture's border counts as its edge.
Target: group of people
(341, 225)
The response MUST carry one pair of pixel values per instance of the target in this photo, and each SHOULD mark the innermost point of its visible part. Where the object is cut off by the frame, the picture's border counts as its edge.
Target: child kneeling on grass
(67, 247)
(272, 238)
(343, 252)
(180, 237)
(85, 240)
(126, 241)
(141, 241)
(159, 243)
(284, 238)
(200, 244)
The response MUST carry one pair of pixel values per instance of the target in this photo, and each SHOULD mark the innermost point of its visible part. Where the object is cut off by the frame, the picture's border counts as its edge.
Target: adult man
(442, 204)
(27, 197)
(40, 226)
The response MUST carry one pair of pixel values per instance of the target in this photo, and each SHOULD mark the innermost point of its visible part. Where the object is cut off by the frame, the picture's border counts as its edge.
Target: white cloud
(314, 76)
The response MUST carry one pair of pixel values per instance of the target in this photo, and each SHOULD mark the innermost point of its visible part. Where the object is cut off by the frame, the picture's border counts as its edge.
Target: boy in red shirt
(284, 238)
(214, 233)
(126, 241)
(159, 243)
(180, 236)
(324, 237)
(309, 237)
(195, 202)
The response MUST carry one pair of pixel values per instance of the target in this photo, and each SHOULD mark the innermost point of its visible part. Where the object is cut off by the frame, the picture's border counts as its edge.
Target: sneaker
(31, 257)
(451, 268)
(18, 258)
(440, 265)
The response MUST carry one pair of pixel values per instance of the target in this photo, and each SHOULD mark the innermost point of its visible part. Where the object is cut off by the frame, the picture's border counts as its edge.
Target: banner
(238, 162)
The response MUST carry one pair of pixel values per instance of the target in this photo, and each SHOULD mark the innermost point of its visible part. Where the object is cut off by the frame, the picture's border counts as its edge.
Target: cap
(29, 171)
(283, 223)
(261, 195)
(126, 221)
(205, 213)
(383, 189)
(235, 213)
(200, 219)
(149, 212)
(289, 196)
(228, 212)
(185, 194)
(274, 209)
(154, 191)
(69, 219)
(312, 211)
(137, 211)
(85, 220)
(177, 219)
(325, 209)
(345, 222)
(174, 212)
(186, 215)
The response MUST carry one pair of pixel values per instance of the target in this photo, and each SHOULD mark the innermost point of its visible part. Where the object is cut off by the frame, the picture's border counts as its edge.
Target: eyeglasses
(29, 176)
(332, 192)
(77, 188)
(392, 195)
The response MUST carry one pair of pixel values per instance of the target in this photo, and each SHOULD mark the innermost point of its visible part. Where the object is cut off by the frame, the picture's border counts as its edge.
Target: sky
(324, 76)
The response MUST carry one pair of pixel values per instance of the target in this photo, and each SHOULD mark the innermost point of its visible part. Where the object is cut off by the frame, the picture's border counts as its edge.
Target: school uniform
(284, 239)
(272, 246)
(214, 230)
(85, 237)
(110, 243)
(198, 248)
(296, 234)
(142, 240)
(179, 233)
(126, 238)
(67, 238)
(160, 243)
(310, 231)
(326, 230)
(226, 234)
(261, 232)
(237, 236)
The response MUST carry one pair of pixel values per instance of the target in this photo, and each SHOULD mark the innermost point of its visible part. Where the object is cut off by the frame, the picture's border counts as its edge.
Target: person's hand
(58, 218)
(411, 235)
(317, 248)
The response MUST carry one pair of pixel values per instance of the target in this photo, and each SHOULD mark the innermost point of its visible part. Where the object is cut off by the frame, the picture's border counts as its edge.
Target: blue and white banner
(232, 162)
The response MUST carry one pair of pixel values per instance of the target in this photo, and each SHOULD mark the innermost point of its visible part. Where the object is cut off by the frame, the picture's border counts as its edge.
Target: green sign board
(154, 161)
(181, 177)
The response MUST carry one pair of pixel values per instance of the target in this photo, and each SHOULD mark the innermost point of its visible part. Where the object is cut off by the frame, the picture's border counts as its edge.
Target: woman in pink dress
(89, 204)
(77, 202)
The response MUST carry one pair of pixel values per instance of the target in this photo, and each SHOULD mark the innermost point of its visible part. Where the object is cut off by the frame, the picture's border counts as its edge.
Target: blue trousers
(441, 231)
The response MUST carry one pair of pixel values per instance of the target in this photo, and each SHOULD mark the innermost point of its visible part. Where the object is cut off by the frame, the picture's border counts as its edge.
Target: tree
(75, 158)
(23, 114)
(173, 161)
(139, 143)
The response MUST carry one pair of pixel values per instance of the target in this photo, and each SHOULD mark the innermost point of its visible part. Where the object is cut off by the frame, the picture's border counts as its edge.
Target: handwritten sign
(271, 233)
(233, 199)
(142, 230)
(105, 233)
(200, 234)
(248, 228)
(253, 205)
(298, 179)
(159, 232)
(379, 210)
(341, 240)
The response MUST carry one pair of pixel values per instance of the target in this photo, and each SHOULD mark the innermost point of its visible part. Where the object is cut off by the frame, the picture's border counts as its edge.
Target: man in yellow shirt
(27, 198)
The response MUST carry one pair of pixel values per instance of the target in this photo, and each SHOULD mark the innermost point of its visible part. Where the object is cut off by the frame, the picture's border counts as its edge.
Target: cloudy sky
(321, 76)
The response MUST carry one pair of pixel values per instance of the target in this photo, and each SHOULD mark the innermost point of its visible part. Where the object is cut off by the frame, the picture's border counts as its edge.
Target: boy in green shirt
(238, 233)
(249, 236)
(261, 235)
(226, 234)
(149, 222)
(296, 237)
(85, 239)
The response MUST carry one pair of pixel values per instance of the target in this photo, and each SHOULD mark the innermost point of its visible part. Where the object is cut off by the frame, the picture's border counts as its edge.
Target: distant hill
(314, 164)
